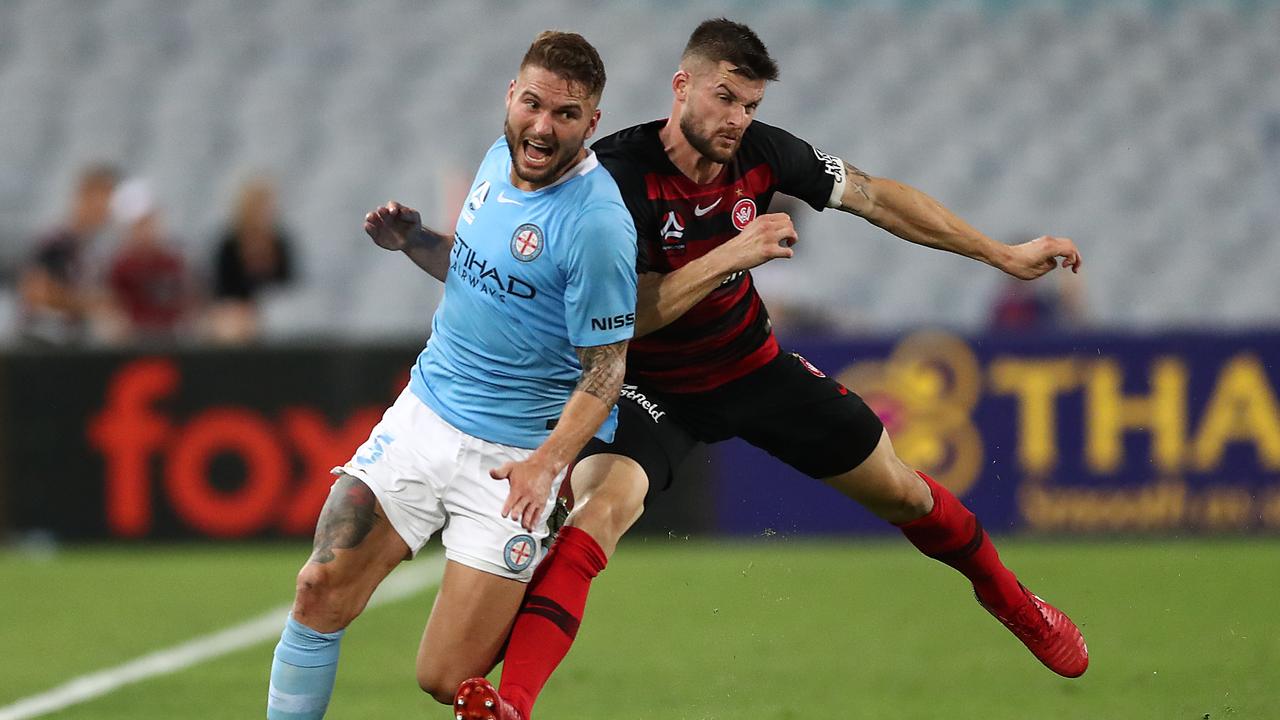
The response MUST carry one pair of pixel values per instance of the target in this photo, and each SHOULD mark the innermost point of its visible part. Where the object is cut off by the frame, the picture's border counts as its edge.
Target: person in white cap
(148, 279)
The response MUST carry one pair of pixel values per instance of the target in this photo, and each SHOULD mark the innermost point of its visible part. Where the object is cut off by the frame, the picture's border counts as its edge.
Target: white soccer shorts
(429, 476)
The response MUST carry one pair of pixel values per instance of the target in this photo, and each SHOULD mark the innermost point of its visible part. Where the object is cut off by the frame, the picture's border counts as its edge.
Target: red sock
(548, 620)
(951, 534)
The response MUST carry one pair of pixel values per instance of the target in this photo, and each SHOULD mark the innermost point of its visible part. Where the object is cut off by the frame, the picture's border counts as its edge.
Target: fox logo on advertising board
(613, 322)
(152, 460)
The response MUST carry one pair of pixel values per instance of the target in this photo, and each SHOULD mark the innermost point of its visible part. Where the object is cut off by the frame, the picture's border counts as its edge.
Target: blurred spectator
(58, 300)
(253, 254)
(148, 279)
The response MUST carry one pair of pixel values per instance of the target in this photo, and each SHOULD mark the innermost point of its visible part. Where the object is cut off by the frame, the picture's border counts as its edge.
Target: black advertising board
(205, 444)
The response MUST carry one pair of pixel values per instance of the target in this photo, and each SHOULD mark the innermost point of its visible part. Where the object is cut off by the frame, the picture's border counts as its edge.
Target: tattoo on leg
(346, 519)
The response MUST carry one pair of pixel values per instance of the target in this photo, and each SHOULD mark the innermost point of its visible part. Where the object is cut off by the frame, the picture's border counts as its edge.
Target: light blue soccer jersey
(532, 276)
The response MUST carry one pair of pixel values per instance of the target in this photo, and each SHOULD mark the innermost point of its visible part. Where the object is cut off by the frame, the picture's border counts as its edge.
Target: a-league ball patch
(519, 553)
(526, 242)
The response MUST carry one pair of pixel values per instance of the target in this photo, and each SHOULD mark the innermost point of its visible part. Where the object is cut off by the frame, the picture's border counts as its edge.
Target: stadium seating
(1139, 128)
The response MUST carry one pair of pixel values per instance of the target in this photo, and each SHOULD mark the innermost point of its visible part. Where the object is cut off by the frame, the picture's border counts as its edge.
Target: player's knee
(911, 497)
(322, 596)
(628, 504)
(613, 509)
(438, 686)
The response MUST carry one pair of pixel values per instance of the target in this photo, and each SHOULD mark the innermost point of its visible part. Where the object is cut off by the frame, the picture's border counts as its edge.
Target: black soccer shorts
(786, 408)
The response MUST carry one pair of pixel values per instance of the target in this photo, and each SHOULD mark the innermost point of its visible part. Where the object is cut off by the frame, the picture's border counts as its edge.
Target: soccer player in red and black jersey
(705, 365)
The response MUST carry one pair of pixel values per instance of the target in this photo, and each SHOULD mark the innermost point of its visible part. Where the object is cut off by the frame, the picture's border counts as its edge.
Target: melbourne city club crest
(519, 552)
(526, 243)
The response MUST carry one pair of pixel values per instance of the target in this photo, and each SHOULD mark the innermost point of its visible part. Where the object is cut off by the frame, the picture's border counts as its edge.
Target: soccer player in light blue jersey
(524, 365)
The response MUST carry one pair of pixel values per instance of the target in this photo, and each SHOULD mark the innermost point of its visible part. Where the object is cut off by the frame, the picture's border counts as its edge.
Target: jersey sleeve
(600, 272)
(631, 184)
(804, 171)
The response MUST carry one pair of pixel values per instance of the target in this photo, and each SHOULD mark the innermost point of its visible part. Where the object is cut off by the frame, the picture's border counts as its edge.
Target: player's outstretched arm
(396, 227)
(663, 297)
(603, 368)
(914, 216)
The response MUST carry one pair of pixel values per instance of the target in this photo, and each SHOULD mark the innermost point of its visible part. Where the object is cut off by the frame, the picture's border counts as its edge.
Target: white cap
(132, 201)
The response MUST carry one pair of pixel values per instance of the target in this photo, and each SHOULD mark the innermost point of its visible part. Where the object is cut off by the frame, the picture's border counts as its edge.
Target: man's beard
(552, 170)
(702, 143)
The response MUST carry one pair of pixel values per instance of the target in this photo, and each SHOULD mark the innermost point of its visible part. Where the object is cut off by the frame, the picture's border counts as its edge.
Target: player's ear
(595, 122)
(680, 84)
(511, 91)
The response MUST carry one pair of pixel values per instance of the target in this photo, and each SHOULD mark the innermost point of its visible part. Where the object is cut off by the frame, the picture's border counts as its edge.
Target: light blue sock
(302, 673)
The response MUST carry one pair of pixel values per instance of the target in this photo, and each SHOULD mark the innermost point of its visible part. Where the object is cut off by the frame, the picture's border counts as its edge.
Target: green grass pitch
(768, 628)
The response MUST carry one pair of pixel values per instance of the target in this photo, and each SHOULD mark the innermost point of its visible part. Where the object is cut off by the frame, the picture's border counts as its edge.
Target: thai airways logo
(526, 242)
(926, 393)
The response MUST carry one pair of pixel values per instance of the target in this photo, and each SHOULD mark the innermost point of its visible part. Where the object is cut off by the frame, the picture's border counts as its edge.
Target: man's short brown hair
(723, 39)
(98, 176)
(570, 56)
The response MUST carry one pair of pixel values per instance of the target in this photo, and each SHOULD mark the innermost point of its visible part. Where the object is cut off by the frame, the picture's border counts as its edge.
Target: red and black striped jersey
(727, 334)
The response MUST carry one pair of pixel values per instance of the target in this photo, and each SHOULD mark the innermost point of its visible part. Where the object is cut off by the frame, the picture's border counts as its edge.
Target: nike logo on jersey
(502, 198)
(698, 210)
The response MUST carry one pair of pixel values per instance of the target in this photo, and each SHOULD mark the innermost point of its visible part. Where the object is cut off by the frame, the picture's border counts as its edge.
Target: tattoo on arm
(346, 519)
(857, 180)
(429, 239)
(602, 369)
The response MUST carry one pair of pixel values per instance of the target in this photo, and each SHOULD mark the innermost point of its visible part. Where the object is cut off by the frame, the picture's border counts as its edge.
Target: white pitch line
(403, 583)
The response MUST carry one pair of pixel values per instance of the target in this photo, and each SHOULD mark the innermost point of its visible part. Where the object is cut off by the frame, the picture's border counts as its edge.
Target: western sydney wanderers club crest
(526, 242)
(744, 211)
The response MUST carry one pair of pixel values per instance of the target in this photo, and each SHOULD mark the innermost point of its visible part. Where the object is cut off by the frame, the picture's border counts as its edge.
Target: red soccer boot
(477, 699)
(1048, 633)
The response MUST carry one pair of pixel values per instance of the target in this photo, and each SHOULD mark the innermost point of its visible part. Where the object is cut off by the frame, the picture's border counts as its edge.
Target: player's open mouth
(536, 153)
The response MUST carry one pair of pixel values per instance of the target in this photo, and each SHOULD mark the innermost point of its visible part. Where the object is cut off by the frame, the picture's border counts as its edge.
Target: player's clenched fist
(1030, 260)
(763, 239)
(393, 225)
